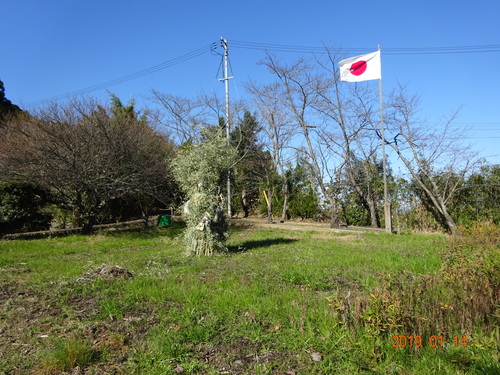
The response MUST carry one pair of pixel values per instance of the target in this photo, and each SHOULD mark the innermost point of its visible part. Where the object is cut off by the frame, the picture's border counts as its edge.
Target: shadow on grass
(134, 230)
(252, 245)
(173, 230)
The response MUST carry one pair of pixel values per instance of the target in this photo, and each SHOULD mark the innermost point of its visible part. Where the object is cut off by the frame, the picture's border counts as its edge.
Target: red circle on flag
(358, 68)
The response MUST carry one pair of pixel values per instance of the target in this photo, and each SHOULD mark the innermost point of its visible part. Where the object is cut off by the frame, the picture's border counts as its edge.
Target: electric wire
(487, 48)
(212, 48)
(129, 77)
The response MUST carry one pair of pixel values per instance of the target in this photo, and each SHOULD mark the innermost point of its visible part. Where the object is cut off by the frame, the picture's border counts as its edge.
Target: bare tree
(89, 156)
(434, 156)
(298, 88)
(278, 131)
(182, 117)
(347, 114)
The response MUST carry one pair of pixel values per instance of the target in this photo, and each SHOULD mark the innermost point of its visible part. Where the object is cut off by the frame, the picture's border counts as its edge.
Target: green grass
(269, 309)
(67, 354)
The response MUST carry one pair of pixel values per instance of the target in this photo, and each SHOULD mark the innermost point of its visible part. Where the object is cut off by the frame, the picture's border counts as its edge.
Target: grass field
(281, 302)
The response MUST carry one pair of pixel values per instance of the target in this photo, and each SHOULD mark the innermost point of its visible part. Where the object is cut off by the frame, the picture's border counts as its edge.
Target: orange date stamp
(402, 341)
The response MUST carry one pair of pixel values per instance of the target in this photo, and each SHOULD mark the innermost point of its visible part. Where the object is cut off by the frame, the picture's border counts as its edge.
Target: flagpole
(387, 205)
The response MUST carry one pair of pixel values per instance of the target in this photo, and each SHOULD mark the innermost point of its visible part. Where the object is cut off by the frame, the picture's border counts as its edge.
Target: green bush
(22, 207)
(461, 297)
(305, 204)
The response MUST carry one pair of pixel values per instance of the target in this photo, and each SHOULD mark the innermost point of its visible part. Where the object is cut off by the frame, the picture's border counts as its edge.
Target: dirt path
(297, 225)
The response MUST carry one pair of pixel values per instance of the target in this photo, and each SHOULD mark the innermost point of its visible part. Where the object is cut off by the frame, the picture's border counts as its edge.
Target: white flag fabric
(361, 68)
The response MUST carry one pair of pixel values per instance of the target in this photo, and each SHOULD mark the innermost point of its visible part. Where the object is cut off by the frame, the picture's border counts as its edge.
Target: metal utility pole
(228, 122)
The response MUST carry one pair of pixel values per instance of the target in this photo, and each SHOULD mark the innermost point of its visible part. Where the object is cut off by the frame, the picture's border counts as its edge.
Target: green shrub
(22, 207)
(305, 204)
(461, 298)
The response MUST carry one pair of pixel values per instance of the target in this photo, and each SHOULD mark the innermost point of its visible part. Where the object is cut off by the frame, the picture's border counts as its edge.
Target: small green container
(164, 221)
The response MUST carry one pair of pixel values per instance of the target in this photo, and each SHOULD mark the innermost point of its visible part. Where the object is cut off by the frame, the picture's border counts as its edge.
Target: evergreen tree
(22, 207)
(6, 106)
(477, 200)
(254, 163)
(304, 199)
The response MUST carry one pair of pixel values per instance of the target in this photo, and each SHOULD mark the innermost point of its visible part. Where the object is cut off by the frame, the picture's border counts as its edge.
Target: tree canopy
(90, 156)
(6, 106)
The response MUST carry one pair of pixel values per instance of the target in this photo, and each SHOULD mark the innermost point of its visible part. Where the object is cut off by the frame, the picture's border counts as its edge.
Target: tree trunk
(334, 218)
(88, 225)
(284, 213)
(269, 207)
(432, 192)
(244, 202)
(374, 223)
(450, 223)
(439, 204)
(145, 217)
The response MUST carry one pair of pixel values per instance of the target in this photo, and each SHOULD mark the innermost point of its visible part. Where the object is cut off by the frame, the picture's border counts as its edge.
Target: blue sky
(51, 48)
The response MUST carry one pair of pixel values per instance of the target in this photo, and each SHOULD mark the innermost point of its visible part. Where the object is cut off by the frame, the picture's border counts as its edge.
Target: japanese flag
(361, 68)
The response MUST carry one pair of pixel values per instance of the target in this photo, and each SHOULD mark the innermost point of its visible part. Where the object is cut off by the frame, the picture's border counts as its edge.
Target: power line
(481, 137)
(264, 47)
(488, 48)
(475, 123)
(129, 77)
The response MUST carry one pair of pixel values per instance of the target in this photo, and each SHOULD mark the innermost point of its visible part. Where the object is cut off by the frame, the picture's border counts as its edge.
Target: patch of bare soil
(246, 357)
(31, 318)
(343, 238)
(106, 272)
(26, 315)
